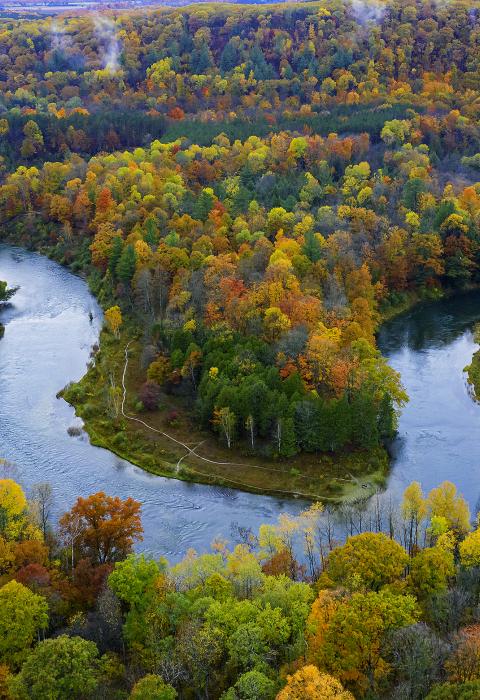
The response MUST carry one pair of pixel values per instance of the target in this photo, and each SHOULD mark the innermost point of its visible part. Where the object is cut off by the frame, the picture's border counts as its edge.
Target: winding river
(47, 344)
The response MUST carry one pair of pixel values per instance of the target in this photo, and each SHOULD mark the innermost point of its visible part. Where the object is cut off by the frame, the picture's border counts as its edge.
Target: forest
(250, 191)
(373, 600)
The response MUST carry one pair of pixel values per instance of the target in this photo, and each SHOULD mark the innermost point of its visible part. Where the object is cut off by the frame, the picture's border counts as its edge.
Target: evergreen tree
(125, 268)
(151, 234)
(115, 255)
(312, 248)
(364, 420)
(201, 59)
(229, 57)
(306, 416)
(387, 418)
(341, 422)
(258, 64)
(288, 447)
(203, 205)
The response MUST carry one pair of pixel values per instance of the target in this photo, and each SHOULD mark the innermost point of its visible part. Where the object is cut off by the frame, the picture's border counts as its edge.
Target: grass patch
(97, 400)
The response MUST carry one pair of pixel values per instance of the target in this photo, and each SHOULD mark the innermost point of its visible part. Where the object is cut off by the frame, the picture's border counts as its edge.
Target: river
(439, 430)
(47, 343)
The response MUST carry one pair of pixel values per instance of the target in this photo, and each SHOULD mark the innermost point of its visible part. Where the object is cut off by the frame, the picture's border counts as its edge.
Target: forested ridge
(250, 192)
(299, 173)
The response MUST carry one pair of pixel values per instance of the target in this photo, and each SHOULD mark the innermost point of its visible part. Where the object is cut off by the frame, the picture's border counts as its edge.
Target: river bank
(164, 446)
(473, 368)
(329, 477)
(48, 343)
(154, 442)
(177, 449)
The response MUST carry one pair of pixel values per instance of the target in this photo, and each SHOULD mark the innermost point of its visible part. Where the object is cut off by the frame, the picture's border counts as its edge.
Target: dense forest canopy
(274, 64)
(250, 192)
(295, 611)
(255, 267)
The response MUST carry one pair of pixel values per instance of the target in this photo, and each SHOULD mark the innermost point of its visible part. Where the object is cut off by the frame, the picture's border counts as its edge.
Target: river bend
(47, 343)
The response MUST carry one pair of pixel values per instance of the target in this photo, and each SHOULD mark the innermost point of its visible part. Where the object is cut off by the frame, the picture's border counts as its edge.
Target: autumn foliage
(102, 528)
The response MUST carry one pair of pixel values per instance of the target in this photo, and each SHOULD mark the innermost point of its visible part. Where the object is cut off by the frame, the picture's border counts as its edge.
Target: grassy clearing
(97, 401)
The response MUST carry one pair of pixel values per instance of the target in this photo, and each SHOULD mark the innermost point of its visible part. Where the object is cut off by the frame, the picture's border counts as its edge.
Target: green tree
(200, 649)
(275, 627)
(312, 247)
(133, 581)
(229, 57)
(453, 691)
(204, 204)
(201, 59)
(253, 685)
(430, 571)
(125, 268)
(6, 294)
(57, 669)
(285, 434)
(115, 255)
(22, 615)
(247, 646)
(152, 687)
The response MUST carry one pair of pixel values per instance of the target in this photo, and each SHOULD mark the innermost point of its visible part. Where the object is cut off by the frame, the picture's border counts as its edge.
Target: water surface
(47, 343)
(439, 432)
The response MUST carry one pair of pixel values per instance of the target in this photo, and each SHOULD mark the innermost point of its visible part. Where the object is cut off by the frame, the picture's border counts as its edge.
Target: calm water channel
(47, 344)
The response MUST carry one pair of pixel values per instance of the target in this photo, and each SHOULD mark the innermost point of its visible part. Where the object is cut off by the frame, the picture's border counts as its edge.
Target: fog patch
(106, 33)
(59, 39)
(366, 12)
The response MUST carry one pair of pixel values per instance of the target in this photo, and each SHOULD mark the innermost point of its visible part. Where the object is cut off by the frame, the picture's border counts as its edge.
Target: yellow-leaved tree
(444, 501)
(114, 320)
(309, 683)
(470, 549)
(14, 517)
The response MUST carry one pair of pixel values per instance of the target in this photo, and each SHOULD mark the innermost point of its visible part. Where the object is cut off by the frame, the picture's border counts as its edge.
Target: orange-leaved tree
(102, 528)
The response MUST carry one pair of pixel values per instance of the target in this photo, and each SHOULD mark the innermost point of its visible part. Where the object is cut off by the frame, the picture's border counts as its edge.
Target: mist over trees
(250, 192)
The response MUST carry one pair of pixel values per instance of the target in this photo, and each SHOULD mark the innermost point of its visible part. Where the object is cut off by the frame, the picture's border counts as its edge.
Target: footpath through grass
(97, 398)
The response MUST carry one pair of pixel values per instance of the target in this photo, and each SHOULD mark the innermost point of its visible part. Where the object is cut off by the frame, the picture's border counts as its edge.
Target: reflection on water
(47, 343)
(439, 432)
(431, 325)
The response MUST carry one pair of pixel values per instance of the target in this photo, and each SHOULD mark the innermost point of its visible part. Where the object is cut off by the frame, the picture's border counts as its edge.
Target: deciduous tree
(308, 682)
(104, 527)
(23, 615)
(64, 667)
